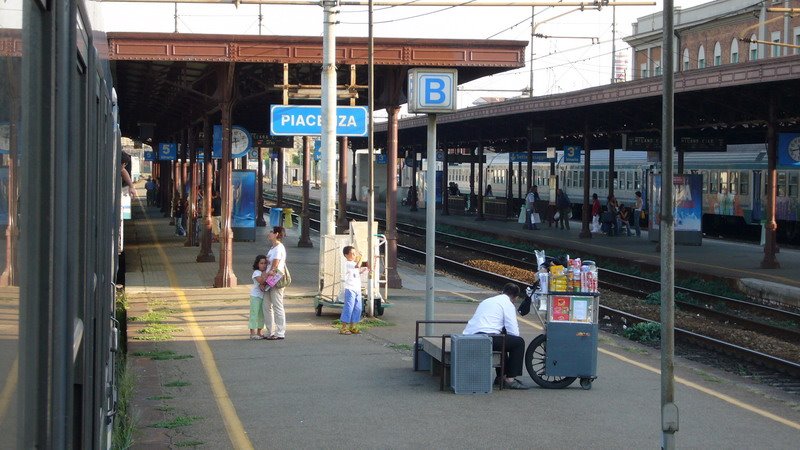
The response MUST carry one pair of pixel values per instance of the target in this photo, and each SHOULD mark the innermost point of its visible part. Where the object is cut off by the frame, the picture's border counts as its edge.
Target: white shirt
(492, 315)
(352, 276)
(277, 252)
(255, 290)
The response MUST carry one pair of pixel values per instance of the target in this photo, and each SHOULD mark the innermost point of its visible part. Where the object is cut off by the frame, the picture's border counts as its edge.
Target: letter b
(435, 93)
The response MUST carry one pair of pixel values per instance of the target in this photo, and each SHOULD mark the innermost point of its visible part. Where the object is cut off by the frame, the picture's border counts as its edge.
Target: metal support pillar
(206, 254)
(305, 240)
(770, 261)
(353, 197)
(328, 141)
(260, 222)
(445, 184)
(586, 212)
(280, 168)
(393, 278)
(480, 217)
(430, 226)
(191, 210)
(225, 276)
(341, 211)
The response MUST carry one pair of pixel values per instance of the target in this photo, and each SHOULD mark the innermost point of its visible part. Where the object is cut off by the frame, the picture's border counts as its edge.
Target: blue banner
(167, 151)
(307, 120)
(788, 150)
(688, 202)
(150, 156)
(244, 198)
(522, 157)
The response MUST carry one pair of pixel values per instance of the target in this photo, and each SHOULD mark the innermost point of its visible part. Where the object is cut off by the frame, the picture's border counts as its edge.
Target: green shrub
(644, 332)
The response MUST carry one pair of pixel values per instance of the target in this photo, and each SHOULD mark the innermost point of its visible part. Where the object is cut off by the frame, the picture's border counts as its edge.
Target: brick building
(715, 33)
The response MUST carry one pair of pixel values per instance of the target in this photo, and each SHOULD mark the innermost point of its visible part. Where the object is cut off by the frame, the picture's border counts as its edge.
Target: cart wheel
(535, 358)
(378, 307)
(318, 310)
(586, 383)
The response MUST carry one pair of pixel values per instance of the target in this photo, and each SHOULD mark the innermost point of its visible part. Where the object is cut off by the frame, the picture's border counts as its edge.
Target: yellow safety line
(233, 425)
(693, 385)
(707, 391)
(8, 389)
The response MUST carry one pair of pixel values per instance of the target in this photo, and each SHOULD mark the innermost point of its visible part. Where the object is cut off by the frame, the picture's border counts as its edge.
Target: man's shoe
(515, 384)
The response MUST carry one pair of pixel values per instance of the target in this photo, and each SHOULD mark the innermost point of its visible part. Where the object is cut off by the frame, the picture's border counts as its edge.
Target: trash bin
(275, 217)
(287, 218)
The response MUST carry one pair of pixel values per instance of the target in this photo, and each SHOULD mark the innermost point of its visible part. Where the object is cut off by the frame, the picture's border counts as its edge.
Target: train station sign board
(266, 141)
(682, 143)
(522, 157)
(293, 120)
(432, 91)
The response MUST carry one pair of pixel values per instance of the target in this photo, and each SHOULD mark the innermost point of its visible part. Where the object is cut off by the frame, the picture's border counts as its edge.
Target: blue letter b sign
(432, 90)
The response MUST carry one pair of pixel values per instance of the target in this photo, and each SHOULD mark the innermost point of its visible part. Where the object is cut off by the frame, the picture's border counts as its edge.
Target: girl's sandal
(345, 332)
(355, 331)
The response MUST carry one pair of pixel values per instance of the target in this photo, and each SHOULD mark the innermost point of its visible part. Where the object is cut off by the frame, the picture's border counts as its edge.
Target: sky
(576, 55)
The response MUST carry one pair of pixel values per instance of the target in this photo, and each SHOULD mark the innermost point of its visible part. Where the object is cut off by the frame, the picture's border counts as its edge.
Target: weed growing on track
(645, 332)
(177, 383)
(122, 434)
(179, 421)
(161, 355)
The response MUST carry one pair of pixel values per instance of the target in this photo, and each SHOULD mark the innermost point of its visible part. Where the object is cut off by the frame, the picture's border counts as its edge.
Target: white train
(730, 180)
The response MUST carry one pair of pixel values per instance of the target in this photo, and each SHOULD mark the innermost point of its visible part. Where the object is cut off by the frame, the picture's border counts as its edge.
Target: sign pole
(430, 224)
(328, 104)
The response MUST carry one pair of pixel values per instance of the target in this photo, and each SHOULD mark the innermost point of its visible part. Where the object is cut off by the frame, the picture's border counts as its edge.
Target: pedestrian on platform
(180, 212)
(150, 187)
(597, 209)
(257, 298)
(216, 211)
(637, 213)
(351, 312)
(530, 208)
(274, 312)
(497, 316)
(564, 208)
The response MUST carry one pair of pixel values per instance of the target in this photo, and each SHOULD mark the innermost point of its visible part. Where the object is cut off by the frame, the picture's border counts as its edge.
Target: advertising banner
(687, 197)
(244, 199)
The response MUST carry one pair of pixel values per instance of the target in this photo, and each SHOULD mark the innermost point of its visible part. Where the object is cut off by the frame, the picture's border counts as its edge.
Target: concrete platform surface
(319, 389)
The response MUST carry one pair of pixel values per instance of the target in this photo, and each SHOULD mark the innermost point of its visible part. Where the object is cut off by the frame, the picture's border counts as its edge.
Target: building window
(734, 51)
(701, 57)
(797, 40)
(776, 39)
(717, 54)
(658, 70)
(643, 70)
(753, 48)
(686, 59)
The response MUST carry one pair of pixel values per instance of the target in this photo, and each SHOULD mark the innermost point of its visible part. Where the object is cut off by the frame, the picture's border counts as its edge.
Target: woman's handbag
(285, 280)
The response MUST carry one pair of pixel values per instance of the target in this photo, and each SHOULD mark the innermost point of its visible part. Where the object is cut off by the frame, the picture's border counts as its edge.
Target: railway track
(702, 303)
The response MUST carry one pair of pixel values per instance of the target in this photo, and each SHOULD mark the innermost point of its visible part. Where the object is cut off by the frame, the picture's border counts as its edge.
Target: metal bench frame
(442, 357)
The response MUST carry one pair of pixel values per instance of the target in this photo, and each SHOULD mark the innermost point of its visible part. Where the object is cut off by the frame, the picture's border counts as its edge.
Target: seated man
(497, 315)
(624, 219)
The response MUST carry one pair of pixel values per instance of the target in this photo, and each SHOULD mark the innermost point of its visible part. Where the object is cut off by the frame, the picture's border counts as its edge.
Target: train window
(603, 179)
(629, 180)
(744, 183)
(781, 184)
(594, 179)
(723, 182)
(793, 185)
(637, 182)
(712, 185)
(704, 173)
(733, 182)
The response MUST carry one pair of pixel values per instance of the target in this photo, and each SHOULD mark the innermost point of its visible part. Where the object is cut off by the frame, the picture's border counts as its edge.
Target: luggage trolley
(567, 350)
(331, 282)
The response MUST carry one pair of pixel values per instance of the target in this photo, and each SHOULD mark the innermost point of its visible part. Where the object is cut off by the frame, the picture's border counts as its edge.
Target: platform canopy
(169, 79)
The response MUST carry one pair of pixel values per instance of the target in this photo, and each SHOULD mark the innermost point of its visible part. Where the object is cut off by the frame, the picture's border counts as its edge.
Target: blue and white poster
(572, 154)
(788, 150)
(150, 156)
(167, 151)
(244, 198)
(687, 200)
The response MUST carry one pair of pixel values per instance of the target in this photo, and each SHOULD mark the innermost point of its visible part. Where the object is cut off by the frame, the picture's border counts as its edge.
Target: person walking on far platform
(351, 311)
(564, 208)
(637, 213)
(530, 208)
(274, 312)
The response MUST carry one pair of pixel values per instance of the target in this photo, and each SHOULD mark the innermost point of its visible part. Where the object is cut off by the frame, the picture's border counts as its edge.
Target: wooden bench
(438, 348)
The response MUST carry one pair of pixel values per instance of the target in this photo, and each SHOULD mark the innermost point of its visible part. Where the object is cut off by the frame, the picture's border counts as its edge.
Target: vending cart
(568, 349)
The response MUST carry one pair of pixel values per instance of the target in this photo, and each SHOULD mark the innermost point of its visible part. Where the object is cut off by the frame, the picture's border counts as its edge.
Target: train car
(734, 185)
(61, 191)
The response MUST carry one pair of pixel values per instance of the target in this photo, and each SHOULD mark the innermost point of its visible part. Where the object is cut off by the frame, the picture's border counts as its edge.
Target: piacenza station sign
(307, 120)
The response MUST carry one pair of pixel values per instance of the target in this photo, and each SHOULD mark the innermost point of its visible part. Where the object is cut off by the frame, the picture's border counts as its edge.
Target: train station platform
(738, 262)
(202, 383)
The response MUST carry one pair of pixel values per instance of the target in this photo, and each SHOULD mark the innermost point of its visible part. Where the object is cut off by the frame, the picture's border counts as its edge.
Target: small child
(257, 298)
(351, 312)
